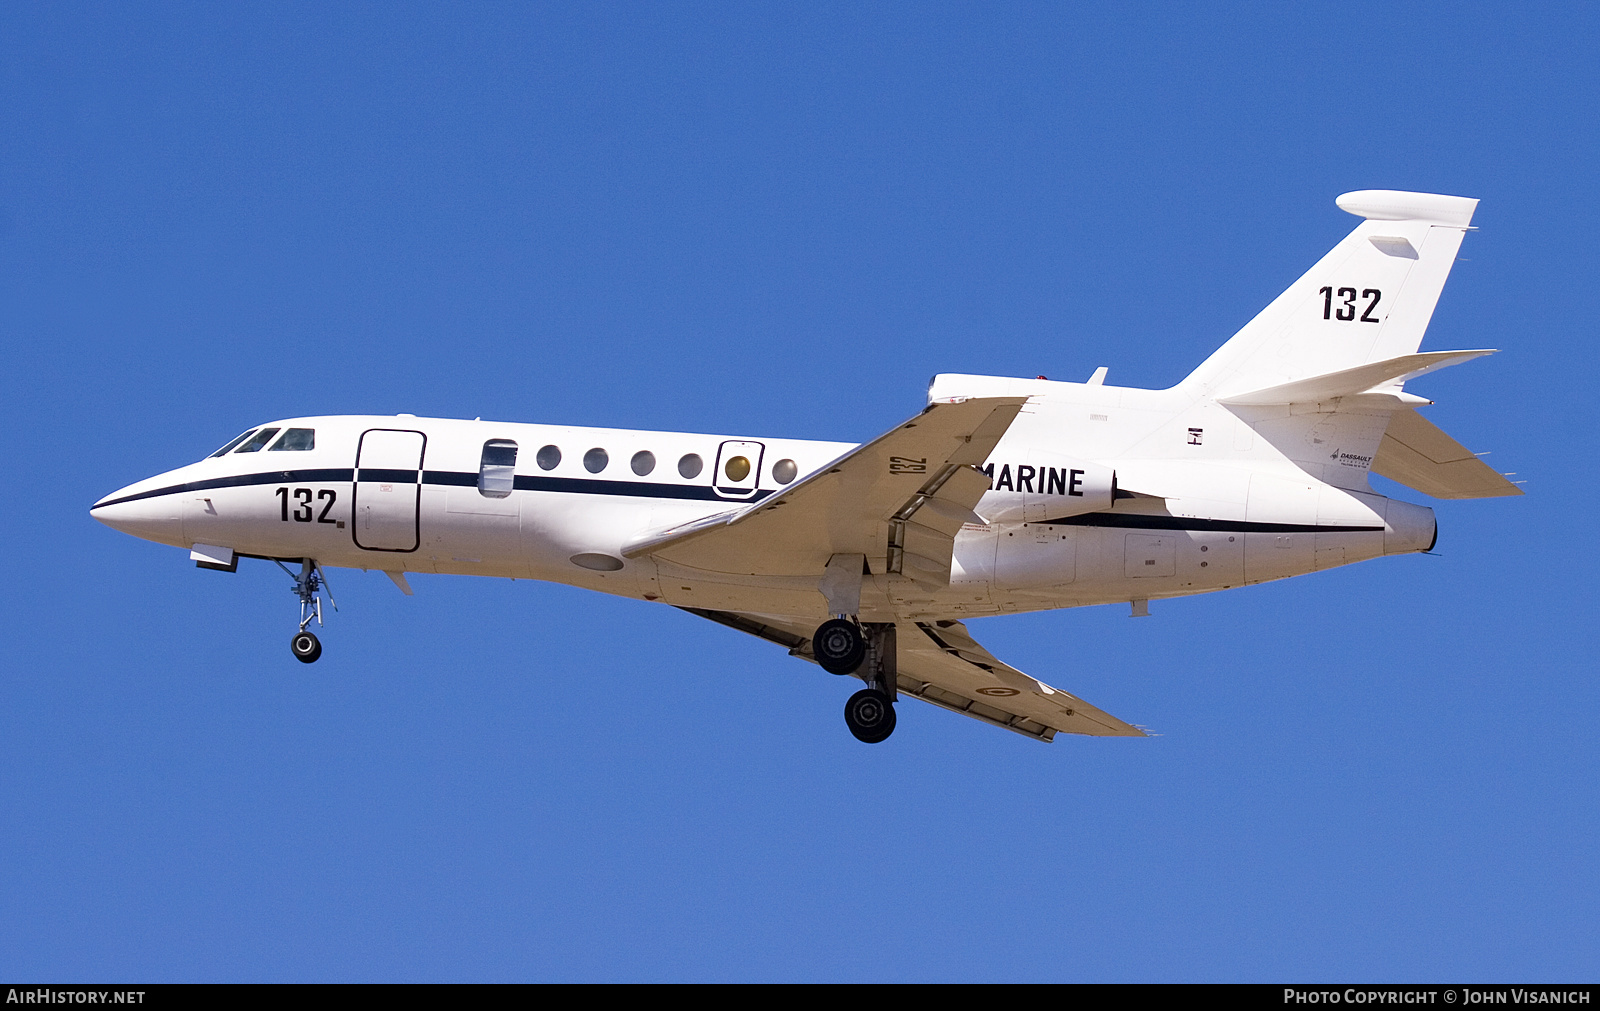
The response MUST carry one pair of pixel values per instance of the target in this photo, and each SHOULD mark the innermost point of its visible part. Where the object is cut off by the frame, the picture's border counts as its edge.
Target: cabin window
(296, 440)
(255, 442)
(224, 450)
(737, 468)
(691, 465)
(497, 472)
(643, 462)
(784, 471)
(595, 460)
(549, 458)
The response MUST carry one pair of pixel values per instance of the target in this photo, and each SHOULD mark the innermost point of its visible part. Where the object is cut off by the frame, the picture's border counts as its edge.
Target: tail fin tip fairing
(1399, 205)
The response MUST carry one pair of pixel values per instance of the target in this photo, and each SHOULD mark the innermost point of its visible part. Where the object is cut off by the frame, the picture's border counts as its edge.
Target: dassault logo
(1050, 480)
(1351, 459)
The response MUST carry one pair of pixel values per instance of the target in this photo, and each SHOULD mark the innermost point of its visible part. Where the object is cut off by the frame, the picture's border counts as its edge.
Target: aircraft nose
(149, 513)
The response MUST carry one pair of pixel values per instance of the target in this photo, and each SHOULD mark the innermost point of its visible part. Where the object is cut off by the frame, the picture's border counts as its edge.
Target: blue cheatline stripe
(1136, 521)
(524, 482)
(386, 474)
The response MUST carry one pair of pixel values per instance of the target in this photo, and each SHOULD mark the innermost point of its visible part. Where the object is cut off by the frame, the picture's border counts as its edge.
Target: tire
(305, 647)
(870, 716)
(838, 646)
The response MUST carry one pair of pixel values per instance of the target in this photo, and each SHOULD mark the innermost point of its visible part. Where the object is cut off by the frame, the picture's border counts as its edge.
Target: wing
(940, 662)
(899, 500)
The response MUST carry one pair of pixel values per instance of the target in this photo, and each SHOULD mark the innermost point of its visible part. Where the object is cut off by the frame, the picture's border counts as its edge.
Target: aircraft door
(738, 469)
(386, 504)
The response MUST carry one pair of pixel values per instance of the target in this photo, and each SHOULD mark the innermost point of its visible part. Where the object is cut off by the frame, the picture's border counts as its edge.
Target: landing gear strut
(308, 586)
(843, 645)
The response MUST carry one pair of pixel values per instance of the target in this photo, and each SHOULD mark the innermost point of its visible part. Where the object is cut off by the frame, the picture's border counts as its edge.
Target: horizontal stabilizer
(1417, 454)
(1349, 382)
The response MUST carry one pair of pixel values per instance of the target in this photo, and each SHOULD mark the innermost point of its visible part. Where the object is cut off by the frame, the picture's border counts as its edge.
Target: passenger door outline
(381, 478)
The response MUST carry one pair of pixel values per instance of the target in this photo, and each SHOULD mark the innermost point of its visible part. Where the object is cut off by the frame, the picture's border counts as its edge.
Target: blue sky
(772, 220)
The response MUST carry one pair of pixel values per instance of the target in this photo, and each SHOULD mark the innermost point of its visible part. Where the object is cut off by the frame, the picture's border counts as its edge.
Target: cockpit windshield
(296, 439)
(224, 450)
(255, 442)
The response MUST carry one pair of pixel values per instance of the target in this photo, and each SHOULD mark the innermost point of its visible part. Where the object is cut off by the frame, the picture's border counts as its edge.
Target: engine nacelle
(1044, 486)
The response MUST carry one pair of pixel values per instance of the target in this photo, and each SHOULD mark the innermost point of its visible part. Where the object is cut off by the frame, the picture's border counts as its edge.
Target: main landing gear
(870, 716)
(839, 646)
(308, 586)
(843, 646)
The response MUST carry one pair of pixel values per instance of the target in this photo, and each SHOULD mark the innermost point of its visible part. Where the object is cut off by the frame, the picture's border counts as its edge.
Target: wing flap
(1416, 453)
(958, 703)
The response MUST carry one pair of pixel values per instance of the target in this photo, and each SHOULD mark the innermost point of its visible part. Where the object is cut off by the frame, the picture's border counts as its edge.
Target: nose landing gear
(308, 586)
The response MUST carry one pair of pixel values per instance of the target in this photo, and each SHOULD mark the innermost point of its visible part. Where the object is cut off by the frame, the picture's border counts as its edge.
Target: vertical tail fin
(1368, 300)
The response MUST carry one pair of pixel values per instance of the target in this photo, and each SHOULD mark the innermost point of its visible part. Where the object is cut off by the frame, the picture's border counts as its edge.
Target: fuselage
(1090, 505)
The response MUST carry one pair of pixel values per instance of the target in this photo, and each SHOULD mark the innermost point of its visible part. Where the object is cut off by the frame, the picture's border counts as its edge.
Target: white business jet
(1001, 495)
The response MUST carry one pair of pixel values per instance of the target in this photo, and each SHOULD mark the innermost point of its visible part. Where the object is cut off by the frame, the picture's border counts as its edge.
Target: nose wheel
(309, 585)
(306, 647)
